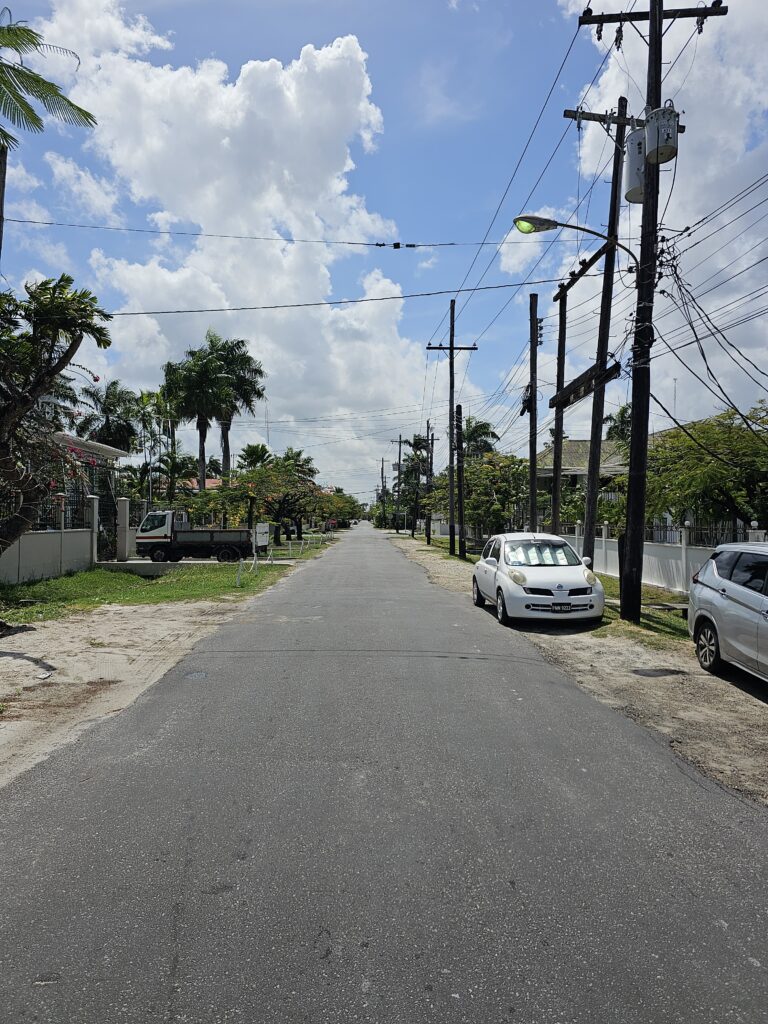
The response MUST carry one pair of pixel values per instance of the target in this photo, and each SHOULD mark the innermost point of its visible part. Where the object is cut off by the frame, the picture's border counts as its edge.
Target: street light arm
(529, 224)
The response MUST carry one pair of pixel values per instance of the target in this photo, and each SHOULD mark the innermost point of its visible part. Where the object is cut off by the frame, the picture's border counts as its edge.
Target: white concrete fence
(664, 565)
(40, 555)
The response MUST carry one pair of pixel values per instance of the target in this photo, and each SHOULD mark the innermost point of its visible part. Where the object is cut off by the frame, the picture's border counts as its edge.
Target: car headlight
(590, 577)
(518, 577)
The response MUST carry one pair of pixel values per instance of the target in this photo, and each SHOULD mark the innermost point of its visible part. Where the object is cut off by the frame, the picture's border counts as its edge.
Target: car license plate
(561, 607)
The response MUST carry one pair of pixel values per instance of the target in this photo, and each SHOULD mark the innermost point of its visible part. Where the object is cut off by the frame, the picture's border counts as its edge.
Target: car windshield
(539, 552)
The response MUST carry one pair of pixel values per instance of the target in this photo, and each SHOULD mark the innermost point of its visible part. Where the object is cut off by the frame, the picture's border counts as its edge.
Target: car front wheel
(501, 608)
(477, 597)
(708, 647)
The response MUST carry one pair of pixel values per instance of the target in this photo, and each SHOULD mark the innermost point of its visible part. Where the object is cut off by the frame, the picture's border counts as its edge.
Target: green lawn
(83, 591)
(649, 594)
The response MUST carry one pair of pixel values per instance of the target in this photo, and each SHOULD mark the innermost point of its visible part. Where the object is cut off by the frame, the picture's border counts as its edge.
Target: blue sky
(434, 119)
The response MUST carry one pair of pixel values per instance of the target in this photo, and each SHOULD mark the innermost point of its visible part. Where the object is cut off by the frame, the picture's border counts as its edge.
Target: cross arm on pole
(588, 18)
(456, 348)
(586, 266)
(610, 119)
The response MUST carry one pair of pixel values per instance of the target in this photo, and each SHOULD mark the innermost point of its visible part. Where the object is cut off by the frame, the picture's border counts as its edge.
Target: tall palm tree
(112, 419)
(244, 386)
(200, 388)
(479, 437)
(20, 87)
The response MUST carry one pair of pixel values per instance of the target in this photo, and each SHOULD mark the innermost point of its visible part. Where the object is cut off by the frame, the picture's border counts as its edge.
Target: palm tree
(479, 437)
(199, 388)
(20, 86)
(245, 388)
(173, 466)
(253, 456)
(213, 466)
(112, 419)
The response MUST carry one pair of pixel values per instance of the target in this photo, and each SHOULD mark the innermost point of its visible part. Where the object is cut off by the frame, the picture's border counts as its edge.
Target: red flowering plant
(39, 336)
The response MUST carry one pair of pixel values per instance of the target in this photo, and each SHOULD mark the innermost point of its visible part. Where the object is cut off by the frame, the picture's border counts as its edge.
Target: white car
(728, 609)
(536, 576)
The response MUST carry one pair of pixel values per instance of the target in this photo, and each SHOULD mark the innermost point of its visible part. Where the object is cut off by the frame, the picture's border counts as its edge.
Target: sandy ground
(719, 724)
(57, 678)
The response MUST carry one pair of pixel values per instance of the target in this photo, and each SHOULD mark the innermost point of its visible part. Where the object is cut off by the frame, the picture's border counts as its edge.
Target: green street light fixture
(530, 224)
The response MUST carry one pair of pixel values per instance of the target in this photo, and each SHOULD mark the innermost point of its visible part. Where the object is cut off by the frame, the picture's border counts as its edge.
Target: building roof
(82, 444)
(613, 460)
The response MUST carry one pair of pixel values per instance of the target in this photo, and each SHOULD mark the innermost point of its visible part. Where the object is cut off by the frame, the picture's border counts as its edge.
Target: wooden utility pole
(533, 511)
(603, 332)
(430, 471)
(632, 571)
(557, 446)
(399, 481)
(460, 480)
(453, 348)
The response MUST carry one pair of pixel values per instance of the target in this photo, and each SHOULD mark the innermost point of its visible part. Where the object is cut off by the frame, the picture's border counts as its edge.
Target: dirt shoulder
(720, 725)
(59, 677)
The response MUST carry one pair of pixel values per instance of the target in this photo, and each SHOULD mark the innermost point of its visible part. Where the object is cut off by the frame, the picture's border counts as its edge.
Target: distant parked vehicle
(166, 538)
(536, 576)
(728, 609)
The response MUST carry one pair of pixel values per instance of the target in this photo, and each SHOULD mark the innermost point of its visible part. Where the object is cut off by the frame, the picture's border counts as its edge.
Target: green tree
(39, 337)
(479, 437)
(619, 425)
(715, 468)
(253, 456)
(495, 492)
(244, 390)
(113, 415)
(20, 87)
(200, 388)
(213, 467)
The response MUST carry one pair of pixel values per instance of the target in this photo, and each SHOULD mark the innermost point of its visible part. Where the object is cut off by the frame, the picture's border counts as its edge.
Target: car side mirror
(586, 560)
(491, 561)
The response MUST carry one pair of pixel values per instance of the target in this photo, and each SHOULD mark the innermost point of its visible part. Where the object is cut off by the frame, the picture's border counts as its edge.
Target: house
(613, 463)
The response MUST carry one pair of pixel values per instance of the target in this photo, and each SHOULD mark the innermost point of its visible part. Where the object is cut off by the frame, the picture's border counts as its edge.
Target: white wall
(664, 565)
(39, 556)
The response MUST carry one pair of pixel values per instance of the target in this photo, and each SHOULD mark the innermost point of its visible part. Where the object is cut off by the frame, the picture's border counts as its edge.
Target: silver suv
(728, 609)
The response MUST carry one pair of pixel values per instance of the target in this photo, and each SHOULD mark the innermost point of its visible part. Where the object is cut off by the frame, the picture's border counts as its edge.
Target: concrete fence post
(577, 539)
(684, 540)
(144, 507)
(123, 527)
(61, 498)
(605, 545)
(93, 501)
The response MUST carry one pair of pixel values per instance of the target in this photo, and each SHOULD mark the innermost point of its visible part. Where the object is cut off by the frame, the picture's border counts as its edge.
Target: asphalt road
(363, 800)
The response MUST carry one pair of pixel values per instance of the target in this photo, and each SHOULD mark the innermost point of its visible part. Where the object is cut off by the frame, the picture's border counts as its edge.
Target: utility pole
(604, 330)
(533, 511)
(399, 481)
(453, 348)
(460, 480)
(557, 446)
(430, 471)
(417, 463)
(383, 494)
(632, 571)
(561, 297)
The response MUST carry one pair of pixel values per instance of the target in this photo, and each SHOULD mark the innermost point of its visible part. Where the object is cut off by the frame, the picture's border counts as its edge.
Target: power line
(253, 238)
(329, 302)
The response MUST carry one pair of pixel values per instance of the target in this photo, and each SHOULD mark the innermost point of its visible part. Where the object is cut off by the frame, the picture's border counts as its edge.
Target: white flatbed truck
(166, 537)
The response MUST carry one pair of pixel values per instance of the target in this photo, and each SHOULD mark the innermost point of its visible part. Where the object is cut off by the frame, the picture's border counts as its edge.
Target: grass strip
(84, 591)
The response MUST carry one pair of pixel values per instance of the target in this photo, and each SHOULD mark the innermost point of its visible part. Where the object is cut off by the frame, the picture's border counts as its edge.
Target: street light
(530, 224)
